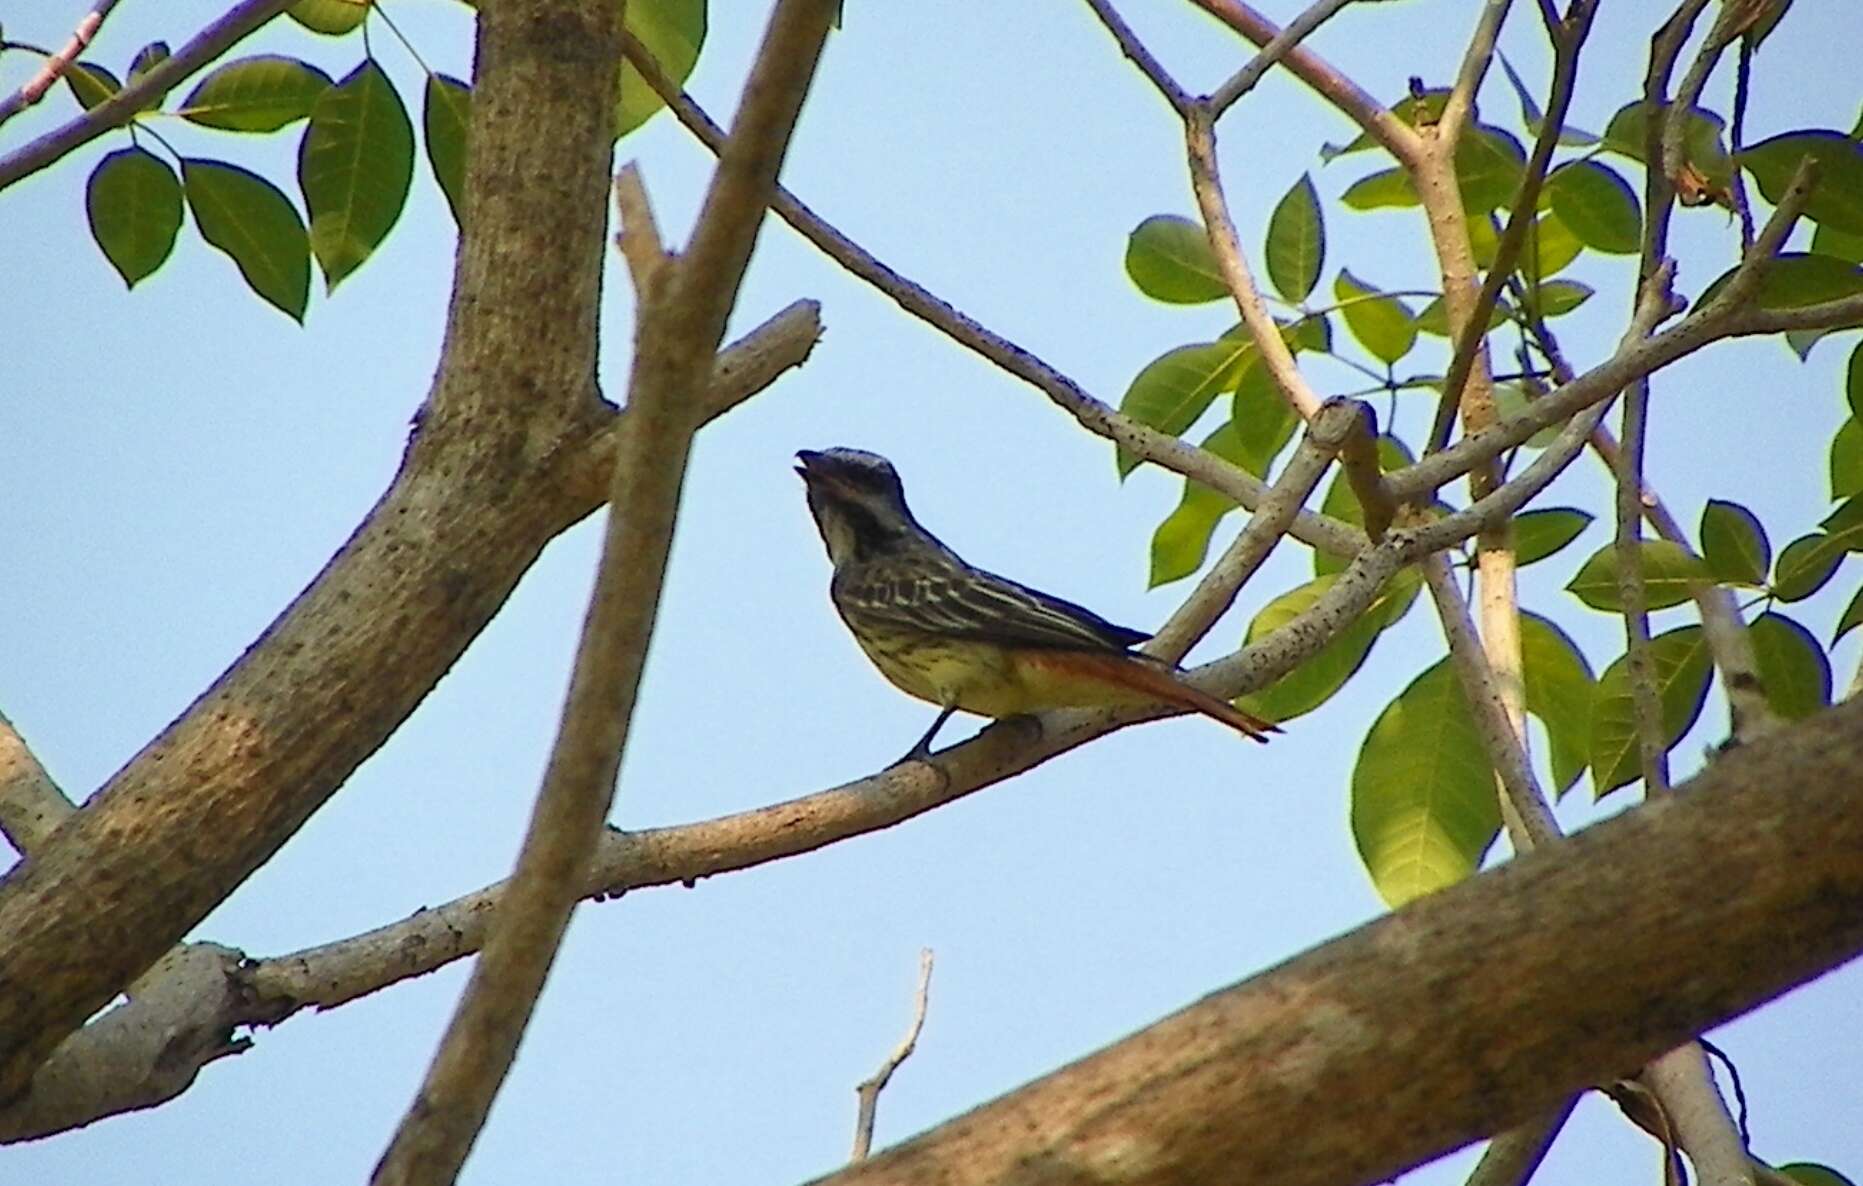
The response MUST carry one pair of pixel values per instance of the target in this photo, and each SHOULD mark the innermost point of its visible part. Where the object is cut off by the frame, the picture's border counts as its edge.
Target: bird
(965, 639)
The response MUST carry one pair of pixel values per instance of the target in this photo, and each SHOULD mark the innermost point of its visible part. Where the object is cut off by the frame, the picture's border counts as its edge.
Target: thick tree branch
(232, 27)
(682, 307)
(1283, 43)
(513, 408)
(1553, 981)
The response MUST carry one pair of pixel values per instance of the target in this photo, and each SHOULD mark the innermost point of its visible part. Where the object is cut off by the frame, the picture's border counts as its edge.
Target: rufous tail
(1156, 679)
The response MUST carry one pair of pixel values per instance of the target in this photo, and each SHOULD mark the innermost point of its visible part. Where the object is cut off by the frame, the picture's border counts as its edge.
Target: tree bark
(1468, 1011)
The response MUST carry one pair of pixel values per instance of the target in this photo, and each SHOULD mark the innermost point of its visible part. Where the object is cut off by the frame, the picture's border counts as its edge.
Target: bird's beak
(811, 461)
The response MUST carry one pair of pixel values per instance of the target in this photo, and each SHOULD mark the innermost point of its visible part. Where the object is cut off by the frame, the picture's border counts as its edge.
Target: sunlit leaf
(1734, 543)
(1169, 258)
(1179, 385)
(445, 109)
(1701, 142)
(1424, 807)
(1382, 324)
(249, 219)
(672, 31)
(133, 200)
(1385, 189)
(1556, 298)
(333, 18)
(1805, 565)
(1851, 618)
(1489, 165)
(1296, 246)
(1542, 533)
(355, 167)
(1847, 459)
(1181, 542)
(1323, 673)
(1261, 418)
(1812, 1174)
(1795, 279)
(1837, 196)
(1551, 248)
(90, 84)
(147, 58)
(1791, 665)
(1670, 573)
(1559, 691)
(1434, 319)
(256, 94)
(1682, 668)
(1598, 205)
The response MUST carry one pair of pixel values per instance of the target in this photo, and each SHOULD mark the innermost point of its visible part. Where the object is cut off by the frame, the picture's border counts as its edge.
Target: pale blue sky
(177, 462)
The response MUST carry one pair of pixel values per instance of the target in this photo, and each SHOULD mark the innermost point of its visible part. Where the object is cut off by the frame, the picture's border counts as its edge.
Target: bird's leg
(921, 751)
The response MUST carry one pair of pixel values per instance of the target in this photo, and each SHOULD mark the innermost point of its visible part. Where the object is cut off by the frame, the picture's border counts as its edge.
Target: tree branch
(682, 310)
(31, 805)
(34, 88)
(868, 1092)
(1554, 984)
(1147, 63)
(229, 30)
(1244, 80)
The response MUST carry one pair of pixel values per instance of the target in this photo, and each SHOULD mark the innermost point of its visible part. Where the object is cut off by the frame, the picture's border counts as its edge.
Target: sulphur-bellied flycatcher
(963, 638)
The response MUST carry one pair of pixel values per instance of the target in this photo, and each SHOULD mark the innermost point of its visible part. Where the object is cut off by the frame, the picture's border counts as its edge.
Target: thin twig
(1319, 531)
(1529, 818)
(204, 47)
(1327, 434)
(1373, 118)
(1639, 664)
(34, 88)
(1299, 29)
(1475, 63)
(1206, 181)
(682, 311)
(1512, 1156)
(1148, 64)
(868, 1092)
(1521, 216)
(1674, 127)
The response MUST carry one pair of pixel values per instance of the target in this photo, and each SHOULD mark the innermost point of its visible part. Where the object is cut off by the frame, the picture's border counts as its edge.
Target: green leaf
(672, 31)
(1387, 189)
(1177, 387)
(1853, 382)
(1413, 108)
(1342, 504)
(1424, 807)
(1851, 619)
(1805, 565)
(1680, 659)
(1556, 298)
(1598, 205)
(1383, 325)
(256, 94)
(1181, 542)
(1701, 141)
(1531, 116)
(1795, 279)
(1324, 672)
(332, 18)
(355, 166)
(1813, 1174)
(1169, 259)
(1434, 319)
(1260, 418)
(1837, 196)
(251, 220)
(134, 203)
(1559, 690)
(1792, 666)
(90, 84)
(1734, 544)
(147, 58)
(445, 109)
(1489, 165)
(1296, 246)
(1828, 240)
(1541, 533)
(1552, 248)
(1670, 572)
(1847, 460)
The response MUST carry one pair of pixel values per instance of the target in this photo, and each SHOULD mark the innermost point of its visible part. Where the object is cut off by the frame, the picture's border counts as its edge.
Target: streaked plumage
(963, 638)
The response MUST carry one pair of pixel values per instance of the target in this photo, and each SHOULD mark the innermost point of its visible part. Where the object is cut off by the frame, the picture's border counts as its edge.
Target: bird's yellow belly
(986, 679)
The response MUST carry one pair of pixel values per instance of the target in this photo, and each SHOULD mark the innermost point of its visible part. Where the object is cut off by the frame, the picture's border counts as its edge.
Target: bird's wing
(969, 603)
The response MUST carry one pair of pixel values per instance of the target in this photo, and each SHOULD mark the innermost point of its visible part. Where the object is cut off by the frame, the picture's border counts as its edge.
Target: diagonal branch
(1143, 58)
(1283, 43)
(31, 805)
(222, 34)
(56, 64)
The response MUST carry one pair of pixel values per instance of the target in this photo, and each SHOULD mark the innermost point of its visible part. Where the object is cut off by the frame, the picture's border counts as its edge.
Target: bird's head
(857, 500)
